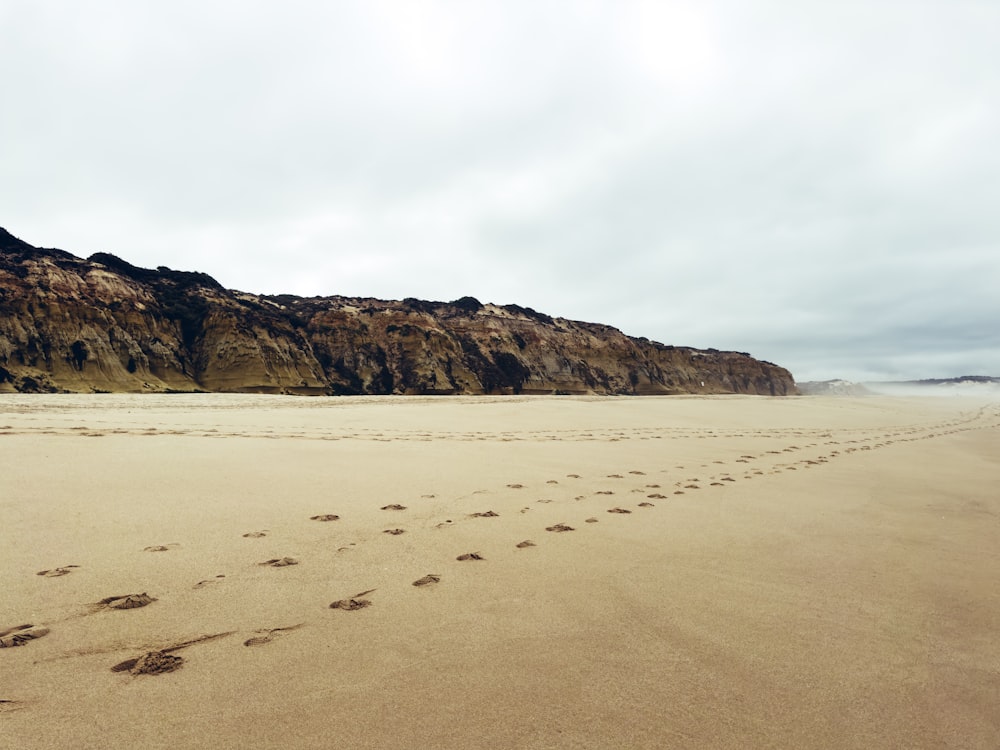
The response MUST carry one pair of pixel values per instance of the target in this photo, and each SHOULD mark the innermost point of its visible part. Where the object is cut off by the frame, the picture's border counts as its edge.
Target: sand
(209, 571)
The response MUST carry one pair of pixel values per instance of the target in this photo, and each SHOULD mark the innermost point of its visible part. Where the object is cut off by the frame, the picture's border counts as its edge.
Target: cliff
(101, 324)
(832, 388)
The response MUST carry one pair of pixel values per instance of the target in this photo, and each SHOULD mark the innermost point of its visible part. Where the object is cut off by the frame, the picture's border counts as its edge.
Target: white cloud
(812, 182)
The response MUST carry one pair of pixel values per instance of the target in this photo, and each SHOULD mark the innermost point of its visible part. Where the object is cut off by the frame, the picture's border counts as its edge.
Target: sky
(816, 183)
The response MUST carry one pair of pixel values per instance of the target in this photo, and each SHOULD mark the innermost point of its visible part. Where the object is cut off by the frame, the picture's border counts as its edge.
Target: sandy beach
(689, 572)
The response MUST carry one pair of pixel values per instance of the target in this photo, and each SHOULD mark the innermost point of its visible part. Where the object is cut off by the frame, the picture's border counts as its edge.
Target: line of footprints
(388, 435)
(163, 660)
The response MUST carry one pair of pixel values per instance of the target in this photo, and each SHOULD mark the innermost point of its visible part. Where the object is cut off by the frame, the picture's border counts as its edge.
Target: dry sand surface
(220, 571)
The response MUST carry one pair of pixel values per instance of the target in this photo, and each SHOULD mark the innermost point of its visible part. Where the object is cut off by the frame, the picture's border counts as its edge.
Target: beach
(686, 571)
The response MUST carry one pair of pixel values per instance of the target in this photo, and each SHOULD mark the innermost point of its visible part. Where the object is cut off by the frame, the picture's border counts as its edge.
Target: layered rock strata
(101, 324)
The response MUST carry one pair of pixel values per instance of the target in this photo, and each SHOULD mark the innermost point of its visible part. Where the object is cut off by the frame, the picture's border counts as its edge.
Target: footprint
(155, 662)
(552, 481)
(604, 492)
(21, 634)
(280, 562)
(525, 543)
(638, 473)
(161, 661)
(394, 506)
(559, 527)
(161, 547)
(394, 532)
(128, 601)
(56, 572)
(487, 514)
(427, 580)
(646, 505)
(354, 603)
(615, 476)
(656, 496)
(206, 582)
(516, 486)
(573, 476)
(269, 634)
(470, 556)
(350, 605)
(618, 510)
(325, 517)
(255, 534)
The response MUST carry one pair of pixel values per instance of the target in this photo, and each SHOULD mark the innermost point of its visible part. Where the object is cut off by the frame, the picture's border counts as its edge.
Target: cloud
(813, 182)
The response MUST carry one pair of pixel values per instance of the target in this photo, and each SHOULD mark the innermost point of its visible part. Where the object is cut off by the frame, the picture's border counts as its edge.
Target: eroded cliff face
(68, 324)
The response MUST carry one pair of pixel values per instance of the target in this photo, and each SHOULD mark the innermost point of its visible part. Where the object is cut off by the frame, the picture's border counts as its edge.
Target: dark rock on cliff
(102, 324)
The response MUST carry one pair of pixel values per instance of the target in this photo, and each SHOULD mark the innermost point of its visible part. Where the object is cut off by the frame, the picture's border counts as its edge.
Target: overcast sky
(814, 182)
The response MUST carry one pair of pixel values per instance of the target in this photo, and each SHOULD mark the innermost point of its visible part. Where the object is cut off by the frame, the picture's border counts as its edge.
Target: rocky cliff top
(102, 324)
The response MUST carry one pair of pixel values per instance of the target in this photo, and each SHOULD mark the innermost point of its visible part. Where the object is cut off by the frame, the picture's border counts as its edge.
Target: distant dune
(974, 386)
(832, 388)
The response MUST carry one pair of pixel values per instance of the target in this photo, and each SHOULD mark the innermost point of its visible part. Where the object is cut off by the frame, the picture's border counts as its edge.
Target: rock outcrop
(101, 324)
